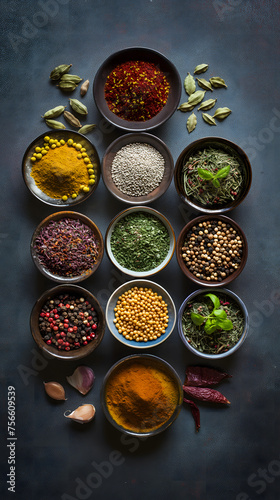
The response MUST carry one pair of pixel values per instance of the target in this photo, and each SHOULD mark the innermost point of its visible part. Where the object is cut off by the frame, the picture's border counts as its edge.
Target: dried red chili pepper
(206, 394)
(201, 376)
(195, 412)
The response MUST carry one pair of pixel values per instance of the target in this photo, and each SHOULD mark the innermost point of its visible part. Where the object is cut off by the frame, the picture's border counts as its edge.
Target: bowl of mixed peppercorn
(213, 322)
(137, 88)
(212, 250)
(67, 322)
(212, 175)
(67, 247)
(140, 241)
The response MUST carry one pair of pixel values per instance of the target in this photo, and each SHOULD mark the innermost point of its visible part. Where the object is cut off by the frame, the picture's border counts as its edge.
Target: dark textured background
(236, 454)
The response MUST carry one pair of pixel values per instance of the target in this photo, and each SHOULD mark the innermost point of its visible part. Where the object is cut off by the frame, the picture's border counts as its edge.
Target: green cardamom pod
(71, 119)
(78, 107)
(191, 122)
(217, 82)
(53, 113)
(189, 84)
(86, 128)
(206, 105)
(186, 107)
(196, 97)
(71, 78)
(54, 124)
(201, 68)
(208, 119)
(84, 88)
(222, 113)
(68, 86)
(57, 72)
(204, 84)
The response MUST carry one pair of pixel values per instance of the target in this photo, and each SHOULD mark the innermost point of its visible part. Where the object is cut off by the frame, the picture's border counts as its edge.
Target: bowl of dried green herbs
(140, 241)
(213, 175)
(213, 323)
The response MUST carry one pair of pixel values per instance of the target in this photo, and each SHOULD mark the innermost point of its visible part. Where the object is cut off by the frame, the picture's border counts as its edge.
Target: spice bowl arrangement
(140, 241)
(67, 322)
(137, 89)
(213, 175)
(61, 168)
(137, 168)
(67, 247)
(212, 250)
(140, 314)
(213, 323)
(141, 395)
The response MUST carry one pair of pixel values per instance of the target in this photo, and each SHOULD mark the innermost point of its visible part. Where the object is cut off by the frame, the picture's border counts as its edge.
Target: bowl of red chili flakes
(137, 89)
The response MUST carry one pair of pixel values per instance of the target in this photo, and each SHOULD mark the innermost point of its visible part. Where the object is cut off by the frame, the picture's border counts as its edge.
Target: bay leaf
(191, 122)
(189, 84)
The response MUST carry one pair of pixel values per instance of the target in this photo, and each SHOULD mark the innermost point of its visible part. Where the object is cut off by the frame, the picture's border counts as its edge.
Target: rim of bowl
(242, 306)
(200, 144)
(183, 266)
(83, 351)
(130, 138)
(72, 215)
(136, 53)
(27, 167)
(143, 283)
(163, 219)
(161, 364)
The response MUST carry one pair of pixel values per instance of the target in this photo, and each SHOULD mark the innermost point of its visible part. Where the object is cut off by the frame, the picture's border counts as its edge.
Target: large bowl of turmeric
(61, 168)
(141, 395)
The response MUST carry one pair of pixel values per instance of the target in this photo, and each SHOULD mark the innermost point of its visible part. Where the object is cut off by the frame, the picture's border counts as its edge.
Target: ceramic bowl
(232, 296)
(149, 211)
(180, 243)
(226, 146)
(57, 217)
(27, 167)
(51, 351)
(155, 363)
(124, 140)
(110, 314)
(137, 54)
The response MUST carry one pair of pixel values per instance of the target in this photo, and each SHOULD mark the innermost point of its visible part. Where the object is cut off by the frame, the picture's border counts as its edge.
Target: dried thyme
(140, 242)
(205, 192)
(219, 341)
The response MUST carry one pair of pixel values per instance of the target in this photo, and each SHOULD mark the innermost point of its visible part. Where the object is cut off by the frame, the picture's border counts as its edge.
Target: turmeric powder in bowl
(142, 395)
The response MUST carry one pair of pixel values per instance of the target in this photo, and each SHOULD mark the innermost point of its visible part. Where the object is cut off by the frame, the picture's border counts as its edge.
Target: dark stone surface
(236, 454)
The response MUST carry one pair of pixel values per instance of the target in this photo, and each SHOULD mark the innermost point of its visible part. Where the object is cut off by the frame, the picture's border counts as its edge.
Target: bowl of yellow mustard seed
(140, 314)
(61, 168)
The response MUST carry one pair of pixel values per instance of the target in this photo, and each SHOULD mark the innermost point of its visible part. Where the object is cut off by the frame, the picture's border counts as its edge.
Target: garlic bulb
(55, 390)
(83, 414)
(82, 379)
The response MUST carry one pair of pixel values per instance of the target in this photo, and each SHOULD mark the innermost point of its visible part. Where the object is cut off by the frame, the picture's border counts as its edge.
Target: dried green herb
(191, 122)
(189, 84)
(196, 97)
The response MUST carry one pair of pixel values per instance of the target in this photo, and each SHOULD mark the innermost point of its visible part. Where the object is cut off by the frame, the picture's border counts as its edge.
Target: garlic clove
(82, 379)
(55, 390)
(83, 414)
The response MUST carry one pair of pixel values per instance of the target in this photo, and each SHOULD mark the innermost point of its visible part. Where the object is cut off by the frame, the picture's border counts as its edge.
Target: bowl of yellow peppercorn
(140, 314)
(61, 168)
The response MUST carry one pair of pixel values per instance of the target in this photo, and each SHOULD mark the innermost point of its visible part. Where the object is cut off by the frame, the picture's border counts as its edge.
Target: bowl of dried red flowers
(67, 247)
(213, 323)
(212, 175)
(137, 88)
(212, 250)
(67, 322)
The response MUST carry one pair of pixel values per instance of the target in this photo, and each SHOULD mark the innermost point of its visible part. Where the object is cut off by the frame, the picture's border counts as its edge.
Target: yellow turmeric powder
(140, 397)
(62, 172)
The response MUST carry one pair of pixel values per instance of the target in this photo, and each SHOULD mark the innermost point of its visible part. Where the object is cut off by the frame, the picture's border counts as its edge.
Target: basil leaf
(220, 313)
(197, 319)
(205, 174)
(214, 299)
(225, 324)
(210, 326)
(222, 173)
(216, 183)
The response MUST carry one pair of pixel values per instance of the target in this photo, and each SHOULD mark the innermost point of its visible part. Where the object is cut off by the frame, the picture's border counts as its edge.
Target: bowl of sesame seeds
(137, 89)
(212, 250)
(140, 314)
(140, 241)
(137, 168)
